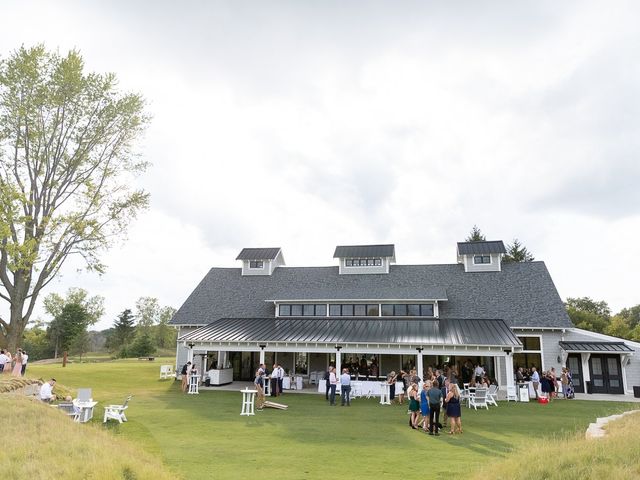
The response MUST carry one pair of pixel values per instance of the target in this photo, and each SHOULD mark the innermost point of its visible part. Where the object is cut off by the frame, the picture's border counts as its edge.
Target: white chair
(116, 412)
(69, 409)
(492, 395)
(512, 394)
(479, 399)
(84, 395)
(166, 371)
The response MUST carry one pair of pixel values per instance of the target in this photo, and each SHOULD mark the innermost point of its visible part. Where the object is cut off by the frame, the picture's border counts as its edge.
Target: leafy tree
(618, 327)
(67, 157)
(81, 343)
(147, 312)
(588, 314)
(123, 330)
(632, 315)
(165, 334)
(68, 324)
(142, 346)
(94, 306)
(475, 235)
(36, 342)
(516, 252)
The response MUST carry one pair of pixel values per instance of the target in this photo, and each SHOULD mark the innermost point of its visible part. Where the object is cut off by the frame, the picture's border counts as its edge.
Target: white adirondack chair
(492, 395)
(479, 399)
(512, 394)
(166, 371)
(69, 409)
(116, 412)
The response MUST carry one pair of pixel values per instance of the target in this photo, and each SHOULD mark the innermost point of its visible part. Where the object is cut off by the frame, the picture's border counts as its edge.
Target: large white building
(368, 308)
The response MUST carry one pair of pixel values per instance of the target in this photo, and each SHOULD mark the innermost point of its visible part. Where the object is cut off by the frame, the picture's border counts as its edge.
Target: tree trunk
(16, 327)
(64, 359)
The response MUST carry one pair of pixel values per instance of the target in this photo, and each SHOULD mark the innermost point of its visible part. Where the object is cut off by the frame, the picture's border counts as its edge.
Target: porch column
(262, 347)
(508, 363)
(190, 353)
(586, 373)
(338, 361)
(419, 365)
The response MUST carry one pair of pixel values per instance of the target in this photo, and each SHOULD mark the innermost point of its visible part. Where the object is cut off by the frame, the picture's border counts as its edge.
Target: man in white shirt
(535, 380)
(25, 358)
(479, 373)
(345, 387)
(333, 381)
(3, 360)
(46, 391)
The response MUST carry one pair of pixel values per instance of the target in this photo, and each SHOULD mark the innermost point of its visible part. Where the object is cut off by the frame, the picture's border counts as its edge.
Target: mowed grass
(203, 436)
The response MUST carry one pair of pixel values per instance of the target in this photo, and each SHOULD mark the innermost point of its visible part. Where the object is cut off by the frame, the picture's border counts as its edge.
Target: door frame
(578, 387)
(606, 387)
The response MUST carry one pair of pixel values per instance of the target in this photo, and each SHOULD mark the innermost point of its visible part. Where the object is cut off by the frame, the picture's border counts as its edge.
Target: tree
(142, 346)
(516, 252)
(165, 335)
(147, 311)
(123, 331)
(618, 327)
(55, 304)
(588, 314)
(36, 343)
(67, 158)
(475, 235)
(70, 322)
(631, 315)
(81, 343)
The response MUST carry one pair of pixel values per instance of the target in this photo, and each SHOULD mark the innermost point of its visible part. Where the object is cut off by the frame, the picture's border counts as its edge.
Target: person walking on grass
(25, 358)
(424, 405)
(414, 405)
(434, 396)
(259, 384)
(17, 368)
(184, 373)
(4, 360)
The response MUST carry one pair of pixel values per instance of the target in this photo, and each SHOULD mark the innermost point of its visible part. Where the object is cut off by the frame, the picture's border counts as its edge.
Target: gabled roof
(397, 331)
(522, 294)
(595, 347)
(480, 248)
(258, 253)
(366, 251)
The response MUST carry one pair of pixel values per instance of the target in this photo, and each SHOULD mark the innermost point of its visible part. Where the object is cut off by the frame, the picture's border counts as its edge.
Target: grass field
(203, 436)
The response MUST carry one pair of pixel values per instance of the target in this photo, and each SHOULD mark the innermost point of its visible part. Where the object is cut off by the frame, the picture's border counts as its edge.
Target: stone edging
(596, 430)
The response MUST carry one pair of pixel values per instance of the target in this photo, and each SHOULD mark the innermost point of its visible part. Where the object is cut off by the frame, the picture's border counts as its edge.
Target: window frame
(482, 262)
(253, 264)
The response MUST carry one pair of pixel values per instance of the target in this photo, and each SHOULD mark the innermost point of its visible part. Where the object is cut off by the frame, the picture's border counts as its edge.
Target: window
(302, 309)
(360, 310)
(334, 310)
(373, 310)
(296, 310)
(413, 310)
(407, 310)
(284, 310)
(347, 310)
(256, 264)
(531, 355)
(387, 310)
(426, 310)
(363, 262)
(308, 310)
(479, 259)
(321, 310)
(400, 310)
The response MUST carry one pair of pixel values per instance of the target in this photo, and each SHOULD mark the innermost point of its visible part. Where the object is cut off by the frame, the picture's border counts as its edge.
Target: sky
(307, 125)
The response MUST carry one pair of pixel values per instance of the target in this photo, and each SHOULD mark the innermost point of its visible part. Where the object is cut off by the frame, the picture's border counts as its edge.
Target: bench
(151, 359)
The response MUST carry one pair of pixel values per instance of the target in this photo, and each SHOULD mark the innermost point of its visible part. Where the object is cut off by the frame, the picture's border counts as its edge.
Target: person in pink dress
(17, 368)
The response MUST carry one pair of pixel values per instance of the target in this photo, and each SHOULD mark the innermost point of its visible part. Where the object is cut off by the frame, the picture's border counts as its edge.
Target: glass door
(606, 374)
(574, 363)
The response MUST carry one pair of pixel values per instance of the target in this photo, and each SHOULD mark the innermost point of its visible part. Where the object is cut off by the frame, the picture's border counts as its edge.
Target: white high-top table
(248, 398)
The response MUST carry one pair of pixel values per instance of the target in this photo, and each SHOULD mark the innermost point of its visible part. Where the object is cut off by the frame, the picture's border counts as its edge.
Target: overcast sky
(306, 125)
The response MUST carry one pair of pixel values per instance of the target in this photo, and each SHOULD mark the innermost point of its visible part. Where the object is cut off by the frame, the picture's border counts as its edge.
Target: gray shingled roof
(258, 253)
(481, 248)
(366, 251)
(522, 294)
(360, 330)
(616, 347)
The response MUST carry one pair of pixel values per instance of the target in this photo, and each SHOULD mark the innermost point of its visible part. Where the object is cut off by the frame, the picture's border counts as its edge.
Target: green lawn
(203, 436)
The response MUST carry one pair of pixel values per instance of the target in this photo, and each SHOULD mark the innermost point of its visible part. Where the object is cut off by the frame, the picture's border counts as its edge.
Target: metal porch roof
(595, 347)
(361, 330)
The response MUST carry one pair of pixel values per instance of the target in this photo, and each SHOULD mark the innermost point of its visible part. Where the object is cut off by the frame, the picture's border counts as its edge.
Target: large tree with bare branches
(67, 170)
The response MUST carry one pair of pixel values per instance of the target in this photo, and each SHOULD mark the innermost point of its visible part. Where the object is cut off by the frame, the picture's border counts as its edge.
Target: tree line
(135, 333)
(595, 316)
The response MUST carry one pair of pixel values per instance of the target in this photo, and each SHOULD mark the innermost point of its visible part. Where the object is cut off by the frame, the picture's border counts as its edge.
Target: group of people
(188, 369)
(546, 384)
(16, 365)
(275, 379)
(438, 394)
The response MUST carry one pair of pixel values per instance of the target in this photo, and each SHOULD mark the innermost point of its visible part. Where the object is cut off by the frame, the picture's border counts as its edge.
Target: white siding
(494, 266)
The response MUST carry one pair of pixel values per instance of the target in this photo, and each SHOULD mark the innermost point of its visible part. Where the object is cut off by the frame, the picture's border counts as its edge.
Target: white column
(261, 355)
(338, 363)
(190, 355)
(419, 365)
(508, 363)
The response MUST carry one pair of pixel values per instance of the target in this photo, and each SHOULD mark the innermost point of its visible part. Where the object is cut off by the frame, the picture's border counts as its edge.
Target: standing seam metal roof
(258, 253)
(616, 347)
(477, 332)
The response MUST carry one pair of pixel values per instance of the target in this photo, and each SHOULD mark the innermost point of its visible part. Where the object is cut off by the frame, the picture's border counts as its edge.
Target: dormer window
(365, 259)
(480, 259)
(481, 256)
(363, 262)
(260, 261)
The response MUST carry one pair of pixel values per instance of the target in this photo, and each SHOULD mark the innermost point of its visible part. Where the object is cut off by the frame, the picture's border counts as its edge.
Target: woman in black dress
(453, 408)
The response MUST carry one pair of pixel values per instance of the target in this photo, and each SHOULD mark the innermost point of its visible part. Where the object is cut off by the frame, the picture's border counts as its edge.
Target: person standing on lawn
(25, 358)
(535, 379)
(333, 382)
(345, 387)
(184, 373)
(453, 408)
(258, 382)
(3, 361)
(424, 404)
(17, 367)
(434, 395)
